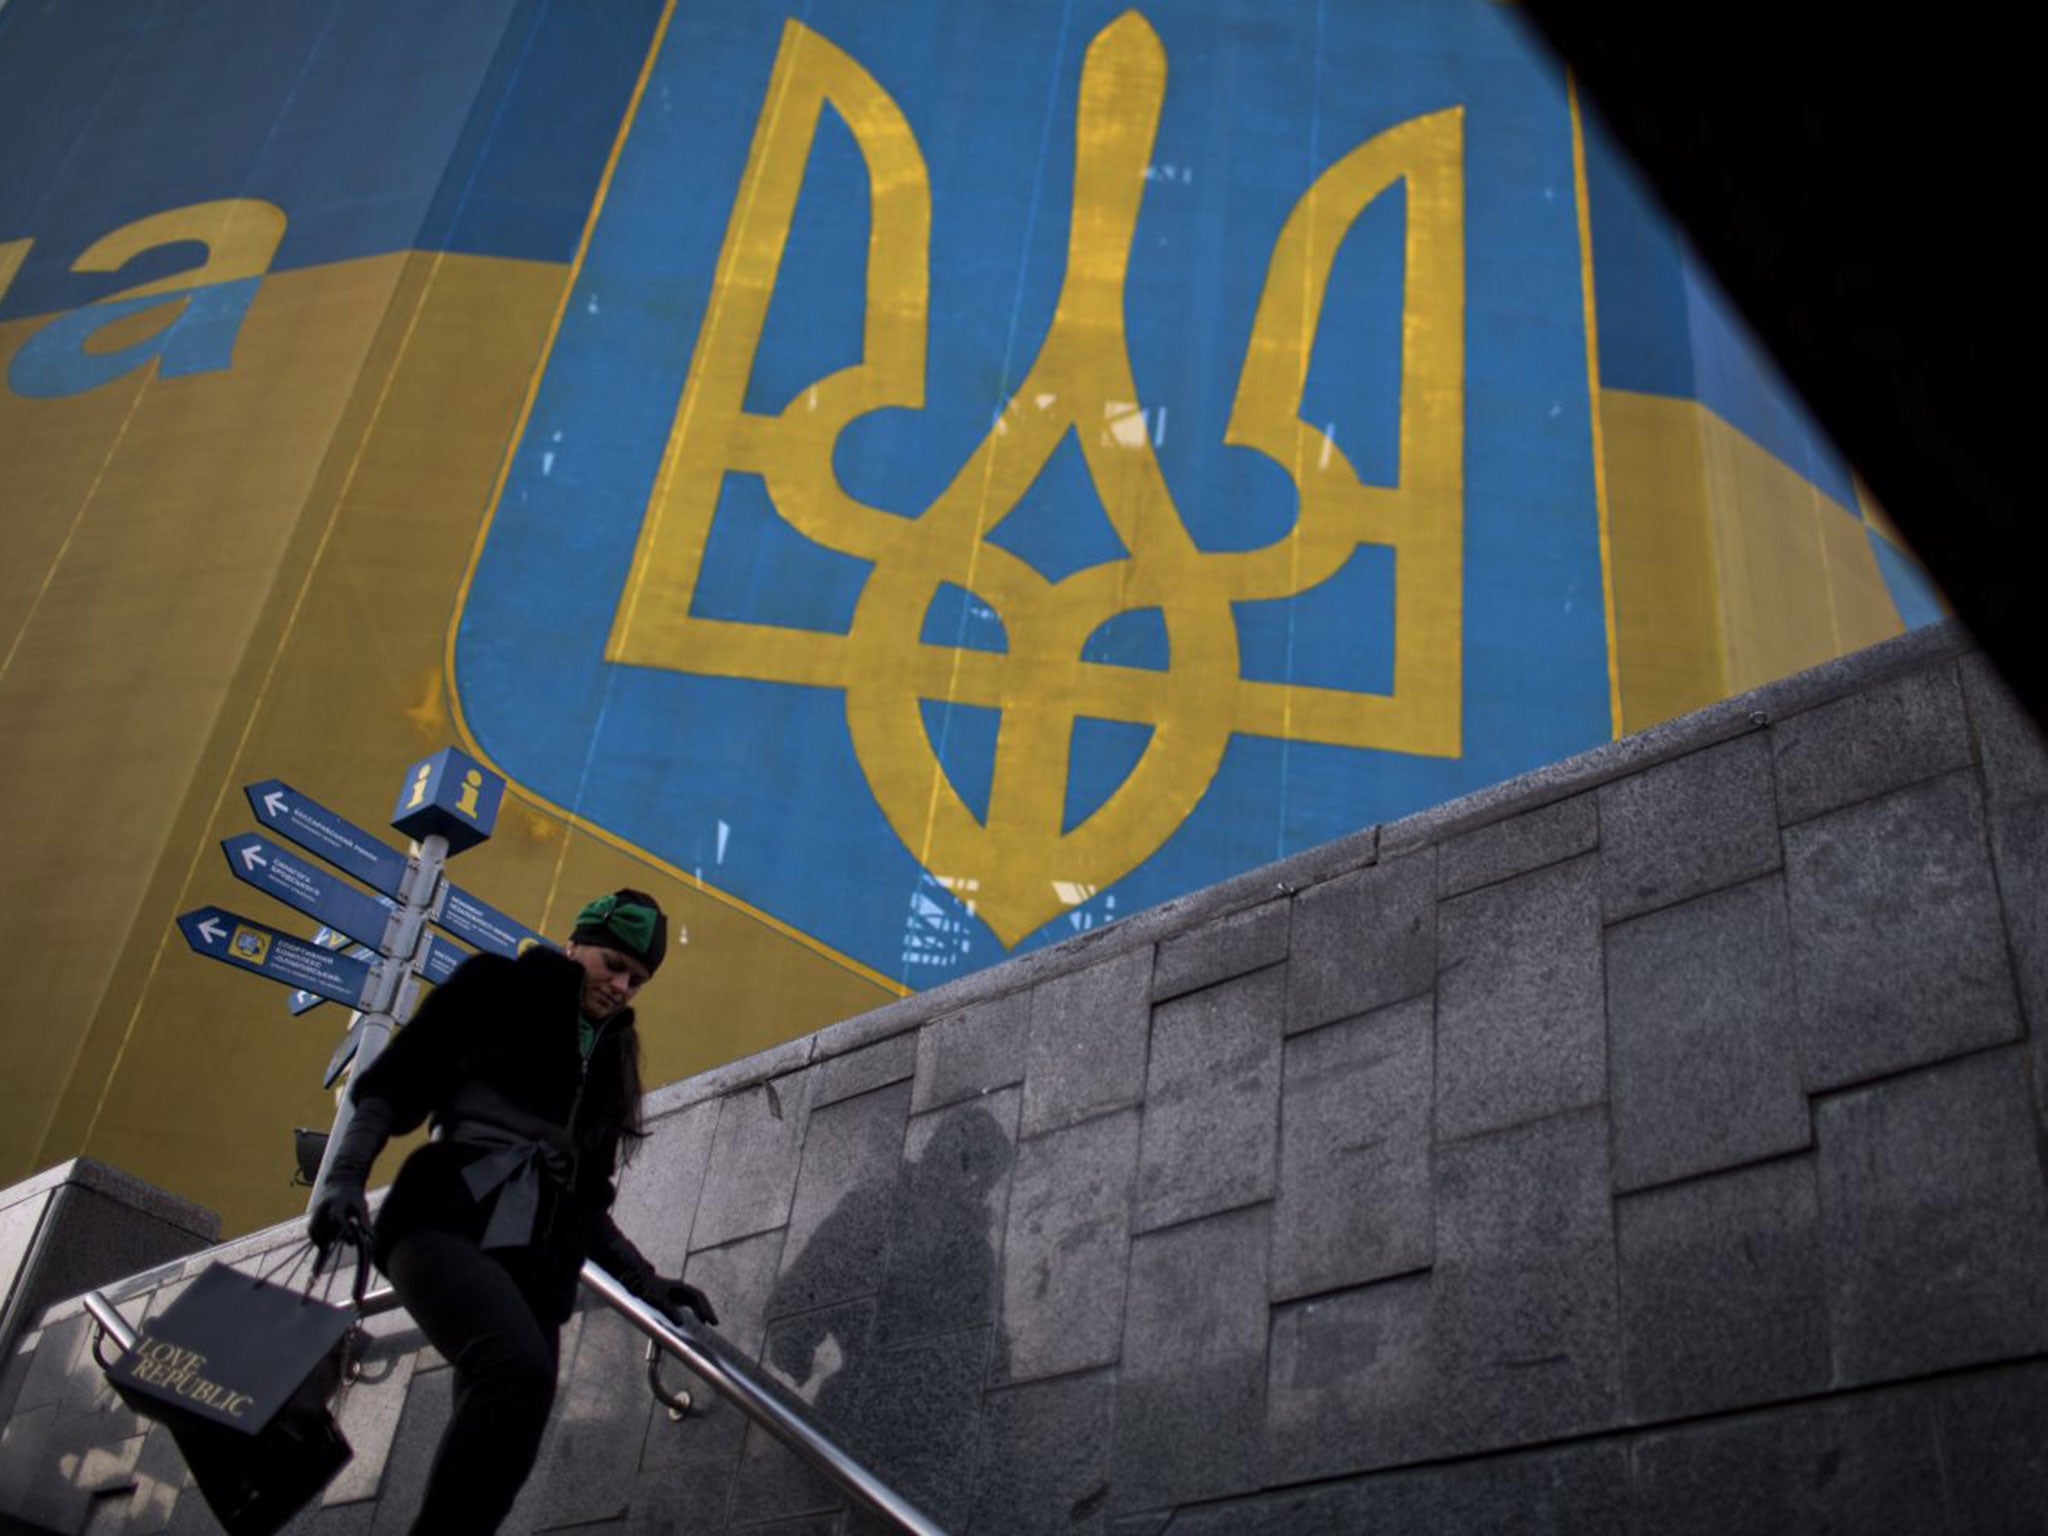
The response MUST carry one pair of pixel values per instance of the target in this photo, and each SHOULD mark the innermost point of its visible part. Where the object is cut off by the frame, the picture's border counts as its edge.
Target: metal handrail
(712, 1364)
(112, 1323)
(759, 1404)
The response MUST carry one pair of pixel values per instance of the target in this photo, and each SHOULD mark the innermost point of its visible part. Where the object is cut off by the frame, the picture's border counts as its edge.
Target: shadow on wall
(860, 1365)
(939, 1231)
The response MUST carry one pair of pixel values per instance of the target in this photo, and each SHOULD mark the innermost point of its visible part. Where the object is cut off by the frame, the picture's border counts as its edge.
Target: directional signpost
(318, 830)
(303, 1001)
(344, 1053)
(446, 803)
(439, 959)
(256, 860)
(224, 935)
(484, 926)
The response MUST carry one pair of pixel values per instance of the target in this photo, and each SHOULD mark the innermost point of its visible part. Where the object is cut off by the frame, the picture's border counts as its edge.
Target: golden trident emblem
(1028, 870)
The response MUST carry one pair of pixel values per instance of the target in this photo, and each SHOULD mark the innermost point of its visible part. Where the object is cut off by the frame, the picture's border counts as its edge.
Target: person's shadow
(899, 1279)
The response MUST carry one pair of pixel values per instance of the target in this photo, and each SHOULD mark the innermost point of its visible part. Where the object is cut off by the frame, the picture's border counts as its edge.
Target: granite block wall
(1653, 1144)
(83, 1224)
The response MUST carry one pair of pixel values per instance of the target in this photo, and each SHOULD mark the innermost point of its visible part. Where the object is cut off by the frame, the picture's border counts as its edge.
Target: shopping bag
(242, 1372)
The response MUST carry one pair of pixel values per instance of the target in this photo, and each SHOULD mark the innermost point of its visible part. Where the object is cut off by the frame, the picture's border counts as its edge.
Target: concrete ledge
(1742, 715)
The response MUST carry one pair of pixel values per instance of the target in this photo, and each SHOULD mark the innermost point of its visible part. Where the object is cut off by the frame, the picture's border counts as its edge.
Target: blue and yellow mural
(908, 481)
(1012, 525)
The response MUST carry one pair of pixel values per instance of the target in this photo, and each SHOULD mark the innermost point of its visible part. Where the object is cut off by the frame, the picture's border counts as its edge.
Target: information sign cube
(452, 794)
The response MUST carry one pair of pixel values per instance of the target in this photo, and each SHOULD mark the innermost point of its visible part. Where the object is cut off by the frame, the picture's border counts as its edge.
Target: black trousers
(473, 1310)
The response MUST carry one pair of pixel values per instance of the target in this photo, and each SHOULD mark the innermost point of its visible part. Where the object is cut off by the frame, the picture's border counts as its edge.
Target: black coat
(498, 1041)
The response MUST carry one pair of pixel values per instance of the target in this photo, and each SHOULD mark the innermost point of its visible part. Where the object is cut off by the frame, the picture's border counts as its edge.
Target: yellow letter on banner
(12, 254)
(192, 327)
(241, 235)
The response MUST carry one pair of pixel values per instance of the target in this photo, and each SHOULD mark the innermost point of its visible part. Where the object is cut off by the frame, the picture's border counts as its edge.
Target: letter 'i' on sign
(451, 795)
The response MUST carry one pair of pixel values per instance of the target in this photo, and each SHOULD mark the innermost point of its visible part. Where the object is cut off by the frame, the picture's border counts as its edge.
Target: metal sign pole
(392, 986)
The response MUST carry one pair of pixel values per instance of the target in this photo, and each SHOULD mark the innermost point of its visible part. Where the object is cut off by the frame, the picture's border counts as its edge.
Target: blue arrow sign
(303, 1001)
(223, 935)
(442, 958)
(484, 925)
(344, 1053)
(256, 860)
(318, 830)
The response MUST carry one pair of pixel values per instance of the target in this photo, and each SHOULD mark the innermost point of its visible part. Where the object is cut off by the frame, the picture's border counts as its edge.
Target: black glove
(684, 1303)
(341, 1214)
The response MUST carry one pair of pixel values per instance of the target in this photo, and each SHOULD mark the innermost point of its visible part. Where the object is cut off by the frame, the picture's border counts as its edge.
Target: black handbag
(243, 1372)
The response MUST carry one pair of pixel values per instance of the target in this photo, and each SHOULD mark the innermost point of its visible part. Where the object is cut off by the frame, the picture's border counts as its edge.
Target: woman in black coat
(529, 1071)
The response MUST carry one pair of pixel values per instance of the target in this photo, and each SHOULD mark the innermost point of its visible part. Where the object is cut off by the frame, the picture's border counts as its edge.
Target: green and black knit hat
(629, 921)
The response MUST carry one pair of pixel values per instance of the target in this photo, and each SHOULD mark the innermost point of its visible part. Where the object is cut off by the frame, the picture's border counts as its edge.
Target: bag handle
(280, 1272)
(358, 1286)
(297, 1253)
